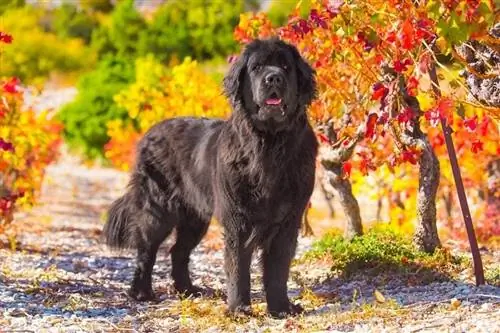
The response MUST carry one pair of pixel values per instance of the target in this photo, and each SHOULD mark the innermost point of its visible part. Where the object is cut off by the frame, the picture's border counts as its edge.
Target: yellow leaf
(378, 296)
(455, 303)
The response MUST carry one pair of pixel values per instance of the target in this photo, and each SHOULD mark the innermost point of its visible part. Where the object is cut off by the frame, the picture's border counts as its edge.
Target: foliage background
(135, 65)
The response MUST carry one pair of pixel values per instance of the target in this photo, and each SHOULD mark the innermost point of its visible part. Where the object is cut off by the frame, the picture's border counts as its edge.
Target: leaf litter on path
(61, 277)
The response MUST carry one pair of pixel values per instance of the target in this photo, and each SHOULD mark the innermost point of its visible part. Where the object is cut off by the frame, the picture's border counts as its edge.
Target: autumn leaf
(323, 138)
(402, 65)
(412, 86)
(6, 146)
(346, 169)
(455, 303)
(441, 111)
(406, 35)
(378, 296)
(406, 116)
(409, 155)
(477, 146)
(371, 124)
(379, 91)
(11, 85)
(471, 124)
(5, 38)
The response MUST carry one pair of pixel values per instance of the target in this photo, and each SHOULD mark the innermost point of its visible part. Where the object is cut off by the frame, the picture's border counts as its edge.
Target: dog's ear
(234, 79)
(306, 79)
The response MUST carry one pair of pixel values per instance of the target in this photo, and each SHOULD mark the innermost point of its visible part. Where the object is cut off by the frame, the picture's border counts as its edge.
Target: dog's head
(271, 82)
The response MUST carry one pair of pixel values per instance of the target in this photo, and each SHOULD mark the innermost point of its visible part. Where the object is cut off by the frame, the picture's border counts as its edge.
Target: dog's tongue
(273, 101)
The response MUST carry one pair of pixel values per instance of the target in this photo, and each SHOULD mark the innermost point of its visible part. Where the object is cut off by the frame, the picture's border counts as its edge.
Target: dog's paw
(142, 295)
(290, 310)
(240, 311)
(192, 291)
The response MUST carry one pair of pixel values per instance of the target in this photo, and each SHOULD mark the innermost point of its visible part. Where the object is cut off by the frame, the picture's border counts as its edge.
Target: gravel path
(61, 278)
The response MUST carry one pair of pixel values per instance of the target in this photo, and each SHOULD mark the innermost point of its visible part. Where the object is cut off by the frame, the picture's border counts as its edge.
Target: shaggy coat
(254, 172)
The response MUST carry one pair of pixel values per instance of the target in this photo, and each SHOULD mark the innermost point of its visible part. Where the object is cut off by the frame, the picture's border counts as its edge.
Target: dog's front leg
(237, 259)
(276, 263)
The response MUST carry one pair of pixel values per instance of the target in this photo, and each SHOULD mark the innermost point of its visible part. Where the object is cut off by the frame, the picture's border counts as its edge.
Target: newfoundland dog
(254, 172)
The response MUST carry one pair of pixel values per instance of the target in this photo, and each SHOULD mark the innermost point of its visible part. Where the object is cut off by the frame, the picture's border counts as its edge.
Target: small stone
(486, 306)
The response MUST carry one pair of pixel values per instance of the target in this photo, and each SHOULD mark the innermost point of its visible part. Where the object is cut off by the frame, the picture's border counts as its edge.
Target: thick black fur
(253, 172)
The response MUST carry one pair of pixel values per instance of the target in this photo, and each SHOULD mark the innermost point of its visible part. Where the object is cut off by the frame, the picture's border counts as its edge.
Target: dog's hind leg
(190, 231)
(152, 232)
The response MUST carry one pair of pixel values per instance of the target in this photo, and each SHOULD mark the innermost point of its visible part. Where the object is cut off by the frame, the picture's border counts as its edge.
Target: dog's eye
(285, 67)
(256, 68)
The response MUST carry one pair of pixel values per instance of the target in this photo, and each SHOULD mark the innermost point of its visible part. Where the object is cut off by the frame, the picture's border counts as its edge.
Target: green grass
(380, 249)
(492, 275)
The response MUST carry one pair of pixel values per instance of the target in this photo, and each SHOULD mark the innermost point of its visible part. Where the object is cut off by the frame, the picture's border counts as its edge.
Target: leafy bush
(196, 28)
(71, 22)
(34, 53)
(86, 117)
(279, 10)
(159, 93)
(381, 248)
(104, 6)
(9, 4)
(121, 34)
(28, 143)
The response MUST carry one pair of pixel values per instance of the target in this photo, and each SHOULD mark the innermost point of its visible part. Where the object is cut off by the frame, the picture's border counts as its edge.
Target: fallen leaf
(378, 296)
(455, 303)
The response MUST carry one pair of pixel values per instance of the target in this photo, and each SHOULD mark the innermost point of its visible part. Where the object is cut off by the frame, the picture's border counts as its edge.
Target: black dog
(254, 172)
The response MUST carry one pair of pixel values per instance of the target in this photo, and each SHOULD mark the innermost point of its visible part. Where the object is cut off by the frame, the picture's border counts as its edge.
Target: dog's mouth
(274, 103)
(273, 100)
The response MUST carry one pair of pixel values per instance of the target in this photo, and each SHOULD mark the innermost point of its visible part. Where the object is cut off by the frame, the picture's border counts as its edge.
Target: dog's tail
(121, 225)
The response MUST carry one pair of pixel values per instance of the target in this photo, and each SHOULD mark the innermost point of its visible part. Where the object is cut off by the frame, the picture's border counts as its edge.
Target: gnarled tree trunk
(426, 237)
(332, 159)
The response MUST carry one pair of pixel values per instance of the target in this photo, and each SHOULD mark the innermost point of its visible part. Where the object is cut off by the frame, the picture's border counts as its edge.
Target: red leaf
(424, 30)
(406, 35)
(7, 146)
(477, 146)
(444, 109)
(391, 37)
(402, 66)
(379, 91)
(437, 140)
(405, 116)
(370, 125)
(432, 116)
(412, 86)
(409, 156)
(11, 85)
(441, 111)
(483, 126)
(471, 124)
(365, 164)
(5, 38)
(346, 169)
(323, 138)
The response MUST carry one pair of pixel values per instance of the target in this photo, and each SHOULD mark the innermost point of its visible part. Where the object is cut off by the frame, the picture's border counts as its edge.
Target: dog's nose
(274, 79)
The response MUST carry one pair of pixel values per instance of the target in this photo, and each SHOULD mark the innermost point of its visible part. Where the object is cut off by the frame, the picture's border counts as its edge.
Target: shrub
(104, 6)
(122, 33)
(34, 53)
(381, 248)
(9, 4)
(71, 22)
(279, 10)
(28, 143)
(196, 28)
(159, 93)
(86, 117)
